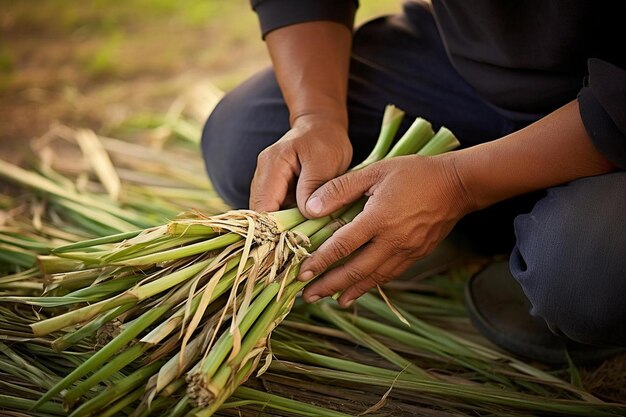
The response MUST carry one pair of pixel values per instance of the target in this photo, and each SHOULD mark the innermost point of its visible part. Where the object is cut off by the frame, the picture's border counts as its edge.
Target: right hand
(314, 151)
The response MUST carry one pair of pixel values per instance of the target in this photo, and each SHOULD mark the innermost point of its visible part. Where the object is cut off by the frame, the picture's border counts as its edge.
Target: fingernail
(348, 303)
(314, 205)
(313, 298)
(305, 276)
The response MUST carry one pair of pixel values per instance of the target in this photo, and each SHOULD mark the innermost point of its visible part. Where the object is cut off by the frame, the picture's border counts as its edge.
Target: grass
(136, 307)
(99, 62)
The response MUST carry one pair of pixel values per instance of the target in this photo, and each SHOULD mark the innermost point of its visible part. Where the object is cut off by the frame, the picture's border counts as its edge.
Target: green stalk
(285, 351)
(115, 409)
(462, 347)
(469, 394)
(47, 326)
(326, 312)
(288, 219)
(156, 406)
(103, 218)
(8, 402)
(112, 366)
(465, 359)
(96, 242)
(74, 280)
(392, 118)
(107, 288)
(240, 377)
(276, 402)
(49, 264)
(146, 248)
(261, 330)
(117, 389)
(17, 256)
(135, 295)
(442, 142)
(88, 329)
(98, 358)
(178, 229)
(27, 368)
(224, 345)
(169, 281)
(219, 242)
(413, 139)
(181, 407)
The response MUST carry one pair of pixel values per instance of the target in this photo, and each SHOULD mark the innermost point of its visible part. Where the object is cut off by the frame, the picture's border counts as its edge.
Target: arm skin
(415, 201)
(311, 65)
(552, 151)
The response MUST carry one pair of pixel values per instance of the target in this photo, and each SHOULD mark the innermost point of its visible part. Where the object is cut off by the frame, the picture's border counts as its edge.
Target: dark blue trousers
(569, 250)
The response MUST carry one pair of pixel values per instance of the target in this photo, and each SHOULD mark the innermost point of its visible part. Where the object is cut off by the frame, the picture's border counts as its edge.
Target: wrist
(324, 128)
(320, 110)
(455, 170)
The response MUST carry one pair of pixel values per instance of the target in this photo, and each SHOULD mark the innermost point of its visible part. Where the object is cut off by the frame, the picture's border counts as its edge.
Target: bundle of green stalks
(171, 319)
(201, 294)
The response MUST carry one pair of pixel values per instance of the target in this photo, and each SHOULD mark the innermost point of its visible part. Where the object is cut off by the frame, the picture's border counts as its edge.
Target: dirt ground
(94, 63)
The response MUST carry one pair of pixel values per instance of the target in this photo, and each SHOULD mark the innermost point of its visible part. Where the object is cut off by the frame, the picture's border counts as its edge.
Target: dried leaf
(100, 161)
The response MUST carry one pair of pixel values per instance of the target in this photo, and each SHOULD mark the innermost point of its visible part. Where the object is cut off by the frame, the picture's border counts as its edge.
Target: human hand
(413, 204)
(315, 150)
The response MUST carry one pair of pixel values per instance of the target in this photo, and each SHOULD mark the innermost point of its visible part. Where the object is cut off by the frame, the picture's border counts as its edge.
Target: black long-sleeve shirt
(524, 56)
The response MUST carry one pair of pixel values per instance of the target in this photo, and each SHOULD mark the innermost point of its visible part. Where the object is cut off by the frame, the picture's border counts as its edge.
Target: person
(535, 91)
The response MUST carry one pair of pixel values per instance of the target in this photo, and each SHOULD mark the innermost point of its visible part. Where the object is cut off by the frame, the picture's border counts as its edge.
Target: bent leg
(570, 259)
(247, 120)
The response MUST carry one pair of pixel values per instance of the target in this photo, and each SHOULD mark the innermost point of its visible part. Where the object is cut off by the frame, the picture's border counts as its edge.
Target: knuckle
(319, 261)
(362, 287)
(336, 187)
(328, 288)
(341, 247)
(404, 244)
(373, 172)
(264, 157)
(323, 261)
(353, 274)
(379, 278)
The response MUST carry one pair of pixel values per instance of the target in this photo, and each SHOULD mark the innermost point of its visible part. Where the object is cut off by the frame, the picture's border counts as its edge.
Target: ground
(94, 63)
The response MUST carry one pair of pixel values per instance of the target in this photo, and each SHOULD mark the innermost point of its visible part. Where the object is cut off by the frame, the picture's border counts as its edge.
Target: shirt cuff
(274, 14)
(602, 103)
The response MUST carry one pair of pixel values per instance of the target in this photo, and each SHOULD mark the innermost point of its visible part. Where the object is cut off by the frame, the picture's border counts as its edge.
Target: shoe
(499, 309)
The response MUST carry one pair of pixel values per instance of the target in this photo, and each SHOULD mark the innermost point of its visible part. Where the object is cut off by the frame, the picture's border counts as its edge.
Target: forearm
(551, 151)
(311, 64)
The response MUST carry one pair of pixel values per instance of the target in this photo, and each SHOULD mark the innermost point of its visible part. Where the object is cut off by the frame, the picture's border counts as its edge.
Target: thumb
(341, 191)
(310, 179)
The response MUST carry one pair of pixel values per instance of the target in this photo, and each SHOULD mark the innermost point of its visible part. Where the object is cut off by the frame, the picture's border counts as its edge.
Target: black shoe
(499, 309)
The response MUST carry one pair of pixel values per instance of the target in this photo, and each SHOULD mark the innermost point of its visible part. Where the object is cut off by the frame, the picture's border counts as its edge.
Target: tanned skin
(414, 201)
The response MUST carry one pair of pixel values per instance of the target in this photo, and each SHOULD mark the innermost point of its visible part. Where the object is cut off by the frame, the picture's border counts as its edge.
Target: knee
(221, 138)
(569, 260)
(246, 121)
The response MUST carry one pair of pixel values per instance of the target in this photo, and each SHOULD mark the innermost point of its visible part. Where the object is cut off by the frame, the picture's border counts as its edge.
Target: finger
(311, 178)
(386, 272)
(356, 269)
(271, 181)
(341, 244)
(341, 191)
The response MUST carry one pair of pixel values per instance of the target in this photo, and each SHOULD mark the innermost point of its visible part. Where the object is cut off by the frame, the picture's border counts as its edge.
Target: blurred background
(98, 63)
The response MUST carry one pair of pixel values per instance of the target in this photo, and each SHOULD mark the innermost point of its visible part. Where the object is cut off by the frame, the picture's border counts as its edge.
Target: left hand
(413, 204)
